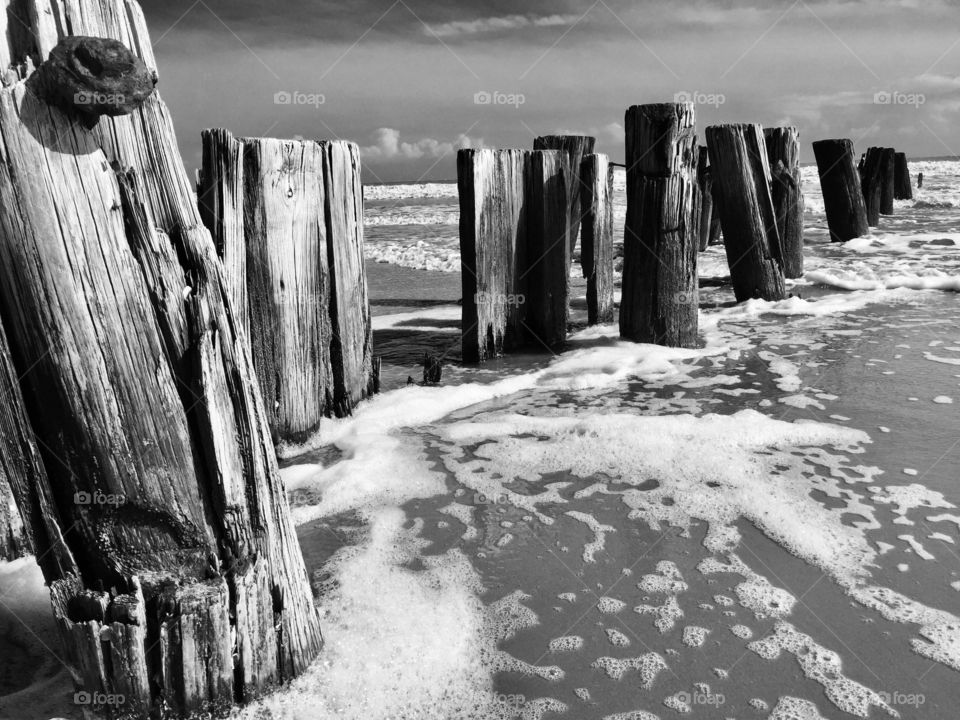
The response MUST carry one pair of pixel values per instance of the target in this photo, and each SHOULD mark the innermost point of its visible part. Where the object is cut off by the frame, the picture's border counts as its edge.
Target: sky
(412, 81)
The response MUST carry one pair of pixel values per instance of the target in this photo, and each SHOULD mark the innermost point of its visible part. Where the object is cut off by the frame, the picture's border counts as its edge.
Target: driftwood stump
(903, 188)
(288, 220)
(596, 201)
(741, 176)
(574, 148)
(842, 192)
(660, 300)
(179, 583)
(783, 154)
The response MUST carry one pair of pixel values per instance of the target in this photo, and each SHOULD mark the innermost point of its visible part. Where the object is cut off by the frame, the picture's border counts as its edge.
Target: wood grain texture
(138, 384)
(842, 191)
(292, 210)
(660, 295)
(786, 190)
(575, 148)
(547, 253)
(493, 230)
(741, 170)
(596, 202)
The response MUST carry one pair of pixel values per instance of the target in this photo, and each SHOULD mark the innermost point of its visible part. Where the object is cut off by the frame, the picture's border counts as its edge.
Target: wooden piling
(887, 187)
(783, 155)
(179, 582)
(903, 187)
(660, 295)
(871, 180)
(705, 191)
(574, 147)
(741, 175)
(842, 192)
(596, 245)
(546, 261)
(493, 227)
(294, 209)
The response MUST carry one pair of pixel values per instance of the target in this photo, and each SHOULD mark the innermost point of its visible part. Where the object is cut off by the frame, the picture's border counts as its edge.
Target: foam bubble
(694, 636)
(567, 643)
(823, 666)
(648, 666)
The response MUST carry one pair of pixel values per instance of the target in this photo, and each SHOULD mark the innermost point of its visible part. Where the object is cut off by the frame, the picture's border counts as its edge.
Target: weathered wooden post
(903, 188)
(574, 147)
(660, 295)
(871, 180)
(705, 191)
(546, 260)
(596, 245)
(783, 155)
(31, 525)
(220, 191)
(179, 582)
(887, 189)
(493, 227)
(741, 176)
(295, 209)
(842, 192)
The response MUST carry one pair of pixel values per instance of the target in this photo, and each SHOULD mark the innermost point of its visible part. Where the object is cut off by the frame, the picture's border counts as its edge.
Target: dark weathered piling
(547, 253)
(842, 192)
(175, 574)
(295, 210)
(783, 155)
(596, 246)
(574, 147)
(660, 289)
(705, 192)
(903, 188)
(741, 175)
(887, 186)
(871, 180)
(493, 227)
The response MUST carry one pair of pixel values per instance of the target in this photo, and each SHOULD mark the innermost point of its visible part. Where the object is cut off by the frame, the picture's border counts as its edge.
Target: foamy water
(415, 225)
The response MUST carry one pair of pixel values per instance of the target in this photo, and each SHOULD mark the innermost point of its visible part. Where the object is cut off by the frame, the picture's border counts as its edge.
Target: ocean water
(764, 527)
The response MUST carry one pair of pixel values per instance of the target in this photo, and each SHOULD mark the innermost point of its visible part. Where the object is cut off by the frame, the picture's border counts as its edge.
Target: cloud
(388, 146)
(497, 24)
